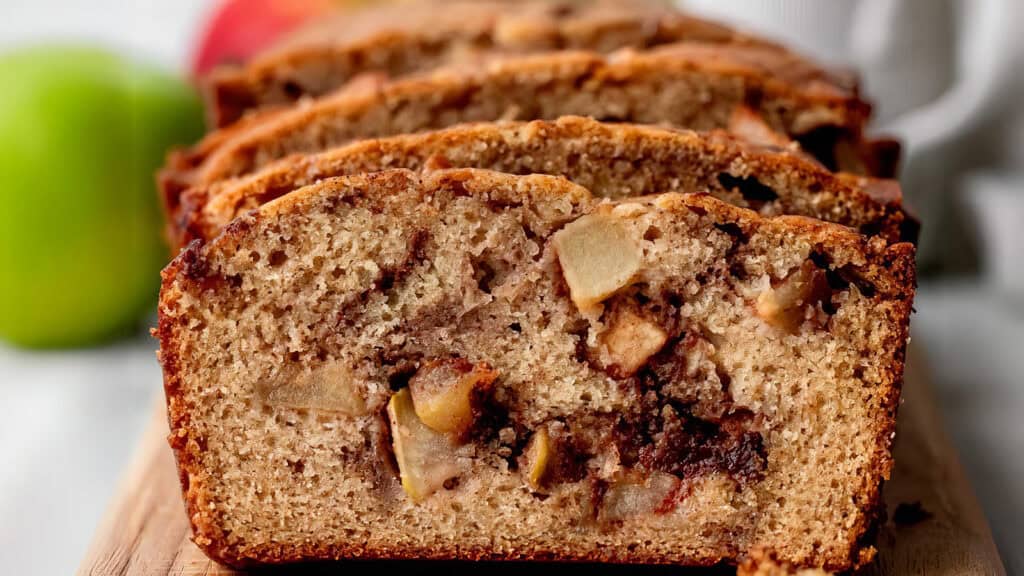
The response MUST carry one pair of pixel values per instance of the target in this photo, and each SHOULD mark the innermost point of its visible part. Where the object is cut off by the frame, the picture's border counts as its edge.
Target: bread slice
(695, 86)
(611, 160)
(397, 39)
(475, 365)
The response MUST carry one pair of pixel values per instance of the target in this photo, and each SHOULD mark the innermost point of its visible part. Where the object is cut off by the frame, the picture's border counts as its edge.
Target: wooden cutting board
(935, 526)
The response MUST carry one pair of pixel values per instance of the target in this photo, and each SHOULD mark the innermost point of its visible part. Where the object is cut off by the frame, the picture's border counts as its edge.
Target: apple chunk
(445, 393)
(426, 458)
(598, 257)
(784, 306)
(537, 458)
(92, 109)
(331, 388)
(631, 340)
(634, 496)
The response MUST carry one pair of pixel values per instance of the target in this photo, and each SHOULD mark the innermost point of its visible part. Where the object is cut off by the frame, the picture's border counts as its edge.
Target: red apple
(240, 28)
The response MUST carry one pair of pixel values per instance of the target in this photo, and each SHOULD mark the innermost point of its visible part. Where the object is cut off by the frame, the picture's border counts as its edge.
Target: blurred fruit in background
(82, 131)
(240, 28)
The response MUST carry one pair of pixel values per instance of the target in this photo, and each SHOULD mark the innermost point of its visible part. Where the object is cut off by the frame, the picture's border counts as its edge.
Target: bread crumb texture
(469, 364)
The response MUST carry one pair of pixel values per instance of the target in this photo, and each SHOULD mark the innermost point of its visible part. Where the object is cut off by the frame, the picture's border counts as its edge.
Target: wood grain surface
(934, 525)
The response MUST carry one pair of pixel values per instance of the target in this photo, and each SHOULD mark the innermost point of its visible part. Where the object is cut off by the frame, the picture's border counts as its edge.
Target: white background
(70, 419)
(160, 30)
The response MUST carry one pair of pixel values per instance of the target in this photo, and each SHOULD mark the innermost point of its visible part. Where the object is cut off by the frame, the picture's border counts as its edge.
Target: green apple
(82, 131)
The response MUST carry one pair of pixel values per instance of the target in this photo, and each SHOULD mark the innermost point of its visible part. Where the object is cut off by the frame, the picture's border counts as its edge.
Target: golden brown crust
(888, 270)
(792, 96)
(654, 159)
(401, 38)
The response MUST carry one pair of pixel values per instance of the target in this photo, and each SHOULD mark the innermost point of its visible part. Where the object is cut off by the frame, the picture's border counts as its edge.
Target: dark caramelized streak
(752, 190)
(733, 229)
(581, 332)
(688, 436)
(196, 268)
(841, 278)
(687, 447)
(194, 265)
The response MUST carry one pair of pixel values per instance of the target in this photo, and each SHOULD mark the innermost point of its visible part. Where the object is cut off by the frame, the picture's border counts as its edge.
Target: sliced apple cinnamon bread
(697, 86)
(611, 160)
(469, 364)
(401, 38)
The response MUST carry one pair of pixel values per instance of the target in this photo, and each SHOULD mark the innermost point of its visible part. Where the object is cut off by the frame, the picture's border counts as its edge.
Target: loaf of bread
(467, 364)
(697, 86)
(611, 160)
(397, 39)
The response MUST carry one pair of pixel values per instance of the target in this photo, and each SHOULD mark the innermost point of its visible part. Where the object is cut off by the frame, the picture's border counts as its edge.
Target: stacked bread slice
(399, 38)
(649, 305)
